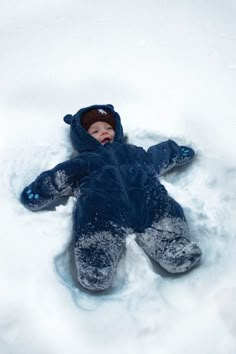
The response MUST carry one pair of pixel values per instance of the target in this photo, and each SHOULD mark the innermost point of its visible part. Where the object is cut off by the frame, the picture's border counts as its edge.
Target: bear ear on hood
(110, 106)
(68, 118)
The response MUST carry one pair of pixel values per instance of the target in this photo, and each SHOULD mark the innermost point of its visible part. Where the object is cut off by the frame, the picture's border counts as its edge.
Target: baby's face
(102, 131)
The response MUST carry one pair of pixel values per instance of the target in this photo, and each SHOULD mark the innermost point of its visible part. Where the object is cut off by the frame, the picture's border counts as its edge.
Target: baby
(118, 192)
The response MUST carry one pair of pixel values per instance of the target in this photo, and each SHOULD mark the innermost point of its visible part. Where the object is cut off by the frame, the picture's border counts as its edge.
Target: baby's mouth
(106, 140)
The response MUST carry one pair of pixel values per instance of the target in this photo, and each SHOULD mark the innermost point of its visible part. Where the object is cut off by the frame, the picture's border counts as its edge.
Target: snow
(102, 111)
(169, 69)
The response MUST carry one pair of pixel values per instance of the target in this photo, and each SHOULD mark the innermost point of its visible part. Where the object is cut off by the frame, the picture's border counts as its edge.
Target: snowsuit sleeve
(52, 184)
(168, 154)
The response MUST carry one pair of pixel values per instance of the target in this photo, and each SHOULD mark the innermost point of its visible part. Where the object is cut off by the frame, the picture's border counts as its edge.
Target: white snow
(168, 67)
(102, 111)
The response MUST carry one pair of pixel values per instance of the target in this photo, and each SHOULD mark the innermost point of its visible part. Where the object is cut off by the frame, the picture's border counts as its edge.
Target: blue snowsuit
(118, 192)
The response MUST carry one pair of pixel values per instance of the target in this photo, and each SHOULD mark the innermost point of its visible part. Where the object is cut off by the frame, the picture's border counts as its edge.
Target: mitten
(186, 155)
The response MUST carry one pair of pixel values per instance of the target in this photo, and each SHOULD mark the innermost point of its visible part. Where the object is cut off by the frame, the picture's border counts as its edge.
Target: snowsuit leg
(167, 241)
(99, 244)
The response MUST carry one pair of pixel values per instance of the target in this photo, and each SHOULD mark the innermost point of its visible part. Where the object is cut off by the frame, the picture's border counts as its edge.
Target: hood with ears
(81, 139)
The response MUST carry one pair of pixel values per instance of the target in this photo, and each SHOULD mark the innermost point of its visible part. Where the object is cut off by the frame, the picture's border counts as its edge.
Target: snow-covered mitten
(186, 155)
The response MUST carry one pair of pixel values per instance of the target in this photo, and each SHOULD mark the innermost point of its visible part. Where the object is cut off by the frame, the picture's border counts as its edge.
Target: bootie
(179, 256)
(175, 253)
(96, 260)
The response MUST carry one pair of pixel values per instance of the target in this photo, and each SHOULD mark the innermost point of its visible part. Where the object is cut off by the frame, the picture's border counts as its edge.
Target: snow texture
(168, 67)
(96, 257)
(172, 234)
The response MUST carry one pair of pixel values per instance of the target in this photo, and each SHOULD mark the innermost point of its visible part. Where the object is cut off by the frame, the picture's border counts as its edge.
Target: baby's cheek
(97, 137)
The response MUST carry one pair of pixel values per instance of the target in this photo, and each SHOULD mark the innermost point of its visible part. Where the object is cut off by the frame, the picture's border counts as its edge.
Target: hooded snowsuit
(118, 191)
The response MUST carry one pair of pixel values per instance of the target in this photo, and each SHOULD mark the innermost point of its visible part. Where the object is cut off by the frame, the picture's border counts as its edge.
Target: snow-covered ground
(169, 68)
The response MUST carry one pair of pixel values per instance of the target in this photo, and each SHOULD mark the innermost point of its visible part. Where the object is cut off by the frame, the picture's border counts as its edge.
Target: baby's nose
(103, 132)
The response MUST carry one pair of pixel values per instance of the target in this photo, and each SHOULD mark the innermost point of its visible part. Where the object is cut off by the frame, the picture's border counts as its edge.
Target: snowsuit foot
(167, 242)
(96, 259)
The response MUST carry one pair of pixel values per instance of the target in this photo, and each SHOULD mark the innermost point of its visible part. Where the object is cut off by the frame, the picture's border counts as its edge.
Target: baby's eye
(94, 132)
